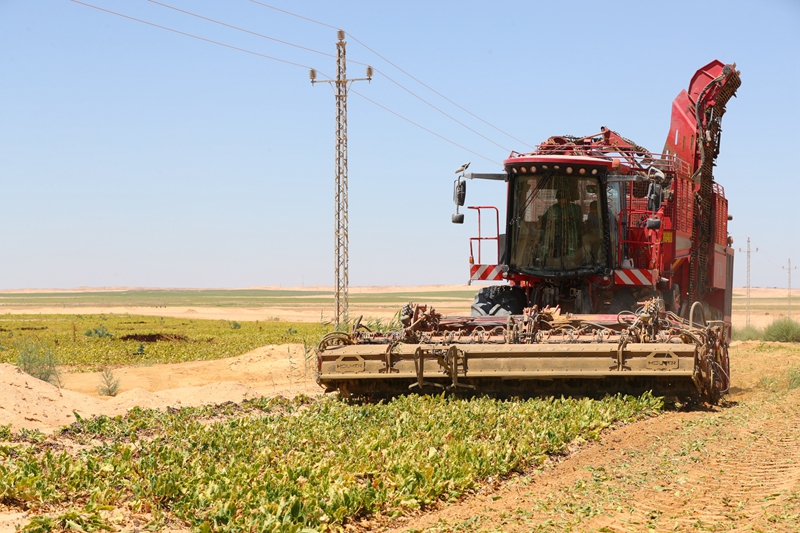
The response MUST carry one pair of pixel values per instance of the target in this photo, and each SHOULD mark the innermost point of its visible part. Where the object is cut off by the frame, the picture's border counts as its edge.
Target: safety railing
(631, 222)
(480, 238)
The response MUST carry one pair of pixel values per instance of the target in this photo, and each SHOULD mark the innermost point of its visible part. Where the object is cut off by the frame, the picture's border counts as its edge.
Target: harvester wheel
(499, 300)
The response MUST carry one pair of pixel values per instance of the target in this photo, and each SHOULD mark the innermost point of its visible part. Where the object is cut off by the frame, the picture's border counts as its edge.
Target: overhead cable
(409, 91)
(398, 68)
(287, 43)
(282, 61)
(424, 128)
(191, 35)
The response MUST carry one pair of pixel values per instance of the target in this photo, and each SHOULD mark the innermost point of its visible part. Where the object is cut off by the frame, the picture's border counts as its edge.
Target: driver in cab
(561, 228)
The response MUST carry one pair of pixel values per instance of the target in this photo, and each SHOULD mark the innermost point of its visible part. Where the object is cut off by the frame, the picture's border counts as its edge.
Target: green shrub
(783, 330)
(747, 333)
(40, 362)
(99, 332)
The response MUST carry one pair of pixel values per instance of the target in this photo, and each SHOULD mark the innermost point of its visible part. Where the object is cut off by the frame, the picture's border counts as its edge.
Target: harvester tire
(499, 300)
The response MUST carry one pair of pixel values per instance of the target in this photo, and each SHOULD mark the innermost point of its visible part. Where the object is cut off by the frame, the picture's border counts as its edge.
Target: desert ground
(297, 311)
(733, 467)
(766, 304)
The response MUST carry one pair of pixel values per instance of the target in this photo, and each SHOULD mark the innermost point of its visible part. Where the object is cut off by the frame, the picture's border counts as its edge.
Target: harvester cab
(574, 218)
(613, 273)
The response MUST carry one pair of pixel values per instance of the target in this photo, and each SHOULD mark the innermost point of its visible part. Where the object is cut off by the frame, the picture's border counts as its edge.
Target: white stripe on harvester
(639, 274)
(625, 279)
(484, 272)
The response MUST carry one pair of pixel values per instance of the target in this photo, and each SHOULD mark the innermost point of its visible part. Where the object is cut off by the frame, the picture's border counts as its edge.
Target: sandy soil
(367, 289)
(314, 313)
(317, 313)
(27, 402)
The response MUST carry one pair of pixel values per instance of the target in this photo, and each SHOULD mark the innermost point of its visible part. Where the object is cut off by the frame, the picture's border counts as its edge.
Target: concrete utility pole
(342, 240)
(747, 304)
(789, 269)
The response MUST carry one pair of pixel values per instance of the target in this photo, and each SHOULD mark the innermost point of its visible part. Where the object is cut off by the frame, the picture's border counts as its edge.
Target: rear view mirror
(459, 197)
(459, 192)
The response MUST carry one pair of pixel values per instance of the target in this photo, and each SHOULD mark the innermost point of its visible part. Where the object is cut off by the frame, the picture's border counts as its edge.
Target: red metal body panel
(654, 249)
(681, 138)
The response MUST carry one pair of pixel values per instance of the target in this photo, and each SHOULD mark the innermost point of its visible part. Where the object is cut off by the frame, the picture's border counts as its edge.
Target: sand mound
(35, 404)
(27, 402)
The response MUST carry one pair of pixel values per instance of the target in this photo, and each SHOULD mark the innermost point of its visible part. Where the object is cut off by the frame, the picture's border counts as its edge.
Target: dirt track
(729, 468)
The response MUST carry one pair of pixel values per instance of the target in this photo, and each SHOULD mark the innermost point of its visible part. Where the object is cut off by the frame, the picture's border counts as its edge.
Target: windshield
(556, 225)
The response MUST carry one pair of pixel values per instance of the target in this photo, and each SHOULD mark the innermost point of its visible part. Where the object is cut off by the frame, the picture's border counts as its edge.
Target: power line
(409, 91)
(441, 95)
(191, 35)
(296, 15)
(398, 68)
(440, 111)
(424, 128)
(772, 260)
(287, 43)
(279, 60)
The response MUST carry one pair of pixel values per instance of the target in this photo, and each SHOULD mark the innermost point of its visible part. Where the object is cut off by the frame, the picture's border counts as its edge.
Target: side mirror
(459, 197)
(459, 192)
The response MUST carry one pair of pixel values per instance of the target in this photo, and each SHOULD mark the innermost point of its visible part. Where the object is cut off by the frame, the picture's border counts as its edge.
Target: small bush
(39, 362)
(99, 332)
(109, 385)
(747, 333)
(31, 435)
(783, 330)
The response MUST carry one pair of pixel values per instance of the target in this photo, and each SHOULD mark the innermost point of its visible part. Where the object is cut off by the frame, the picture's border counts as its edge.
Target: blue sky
(130, 155)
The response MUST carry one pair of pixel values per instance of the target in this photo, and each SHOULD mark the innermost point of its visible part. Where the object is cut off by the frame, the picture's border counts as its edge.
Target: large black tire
(499, 300)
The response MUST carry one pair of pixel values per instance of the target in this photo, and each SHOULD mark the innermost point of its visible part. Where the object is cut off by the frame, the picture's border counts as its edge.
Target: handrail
(479, 238)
